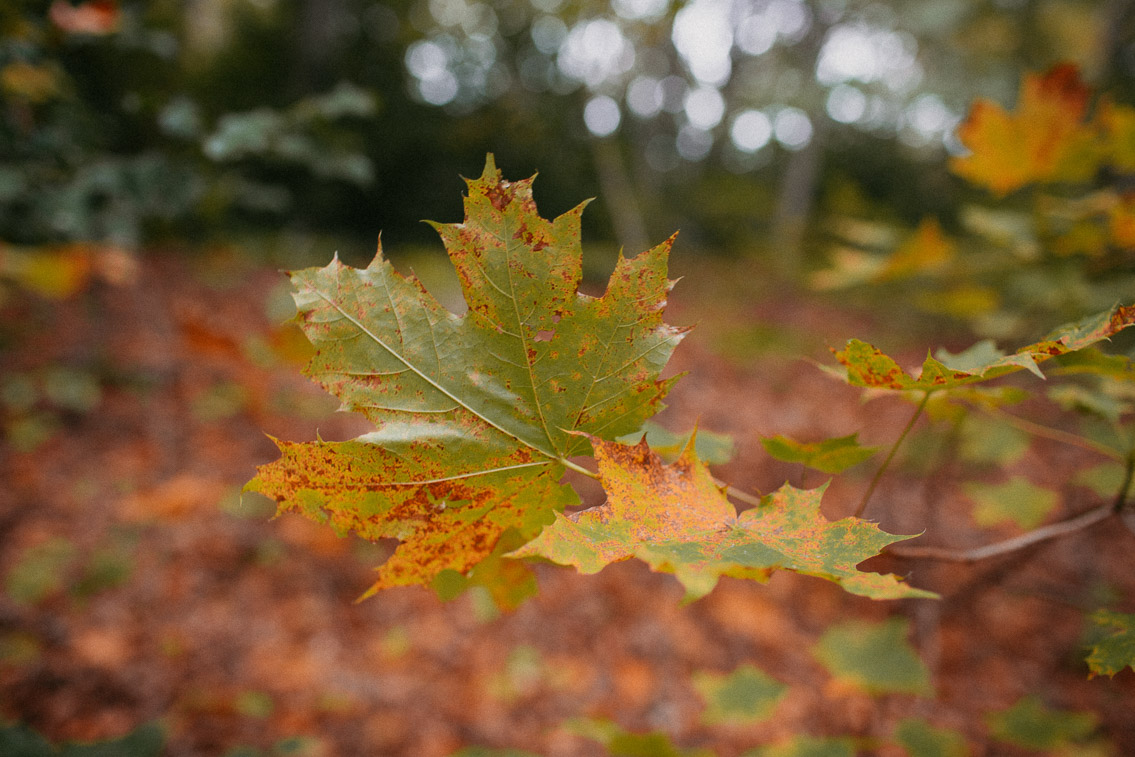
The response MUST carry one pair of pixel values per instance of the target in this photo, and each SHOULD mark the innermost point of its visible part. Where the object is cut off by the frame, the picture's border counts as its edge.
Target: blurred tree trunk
(620, 197)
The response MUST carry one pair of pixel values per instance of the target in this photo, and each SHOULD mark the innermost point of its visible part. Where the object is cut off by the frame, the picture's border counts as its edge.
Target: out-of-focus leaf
(1118, 123)
(747, 695)
(712, 448)
(40, 571)
(1113, 643)
(55, 273)
(1016, 501)
(926, 250)
(830, 455)
(1095, 361)
(873, 657)
(1103, 479)
(806, 746)
(20, 741)
(985, 440)
(677, 520)
(1032, 725)
(1082, 399)
(920, 739)
(868, 366)
(621, 743)
(484, 751)
(1043, 139)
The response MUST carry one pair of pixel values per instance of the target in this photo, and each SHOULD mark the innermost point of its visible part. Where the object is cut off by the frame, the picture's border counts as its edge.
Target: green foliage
(806, 746)
(920, 739)
(1015, 501)
(622, 743)
(1032, 725)
(40, 572)
(712, 449)
(873, 657)
(829, 455)
(746, 695)
(21, 741)
(1112, 646)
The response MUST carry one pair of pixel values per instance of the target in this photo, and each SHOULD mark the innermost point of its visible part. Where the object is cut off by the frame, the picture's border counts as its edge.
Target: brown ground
(234, 629)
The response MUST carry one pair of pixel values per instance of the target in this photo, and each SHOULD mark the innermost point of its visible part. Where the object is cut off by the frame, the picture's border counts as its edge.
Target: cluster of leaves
(1060, 236)
(479, 416)
(863, 659)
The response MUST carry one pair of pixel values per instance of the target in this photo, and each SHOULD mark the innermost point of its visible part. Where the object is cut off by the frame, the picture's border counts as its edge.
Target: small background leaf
(1113, 648)
(806, 746)
(830, 455)
(1030, 724)
(920, 739)
(873, 657)
(747, 695)
(1016, 501)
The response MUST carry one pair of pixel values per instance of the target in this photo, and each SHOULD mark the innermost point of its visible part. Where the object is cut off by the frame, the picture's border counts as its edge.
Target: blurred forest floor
(140, 586)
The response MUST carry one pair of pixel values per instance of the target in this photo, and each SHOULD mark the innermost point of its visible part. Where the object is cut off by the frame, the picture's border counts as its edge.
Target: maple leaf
(475, 414)
(1113, 646)
(676, 519)
(1044, 139)
(868, 366)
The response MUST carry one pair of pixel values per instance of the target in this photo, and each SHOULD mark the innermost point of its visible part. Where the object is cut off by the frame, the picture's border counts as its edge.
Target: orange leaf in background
(1044, 139)
(1118, 123)
(928, 248)
(95, 17)
(1121, 223)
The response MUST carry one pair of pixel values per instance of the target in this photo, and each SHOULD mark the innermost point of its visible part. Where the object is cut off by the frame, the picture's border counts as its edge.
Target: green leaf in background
(1103, 479)
(712, 448)
(1096, 362)
(20, 741)
(1113, 645)
(621, 743)
(830, 455)
(806, 746)
(40, 572)
(1032, 725)
(873, 657)
(920, 739)
(868, 366)
(476, 414)
(483, 751)
(1017, 500)
(747, 695)
(676, 519)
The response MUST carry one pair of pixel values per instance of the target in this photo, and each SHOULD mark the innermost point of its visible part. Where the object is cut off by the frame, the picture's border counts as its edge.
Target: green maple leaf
(1114, 647)
(476, 415)
(676, 519)
(747, 695)
(870, 367)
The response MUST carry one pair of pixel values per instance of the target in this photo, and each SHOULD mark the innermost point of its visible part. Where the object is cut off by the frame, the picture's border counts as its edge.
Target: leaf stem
(577, 468)
(891, 455)
(735, 493)
(1077, 523)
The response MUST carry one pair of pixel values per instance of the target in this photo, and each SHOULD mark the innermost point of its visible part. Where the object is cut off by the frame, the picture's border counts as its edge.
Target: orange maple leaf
(1044, 139)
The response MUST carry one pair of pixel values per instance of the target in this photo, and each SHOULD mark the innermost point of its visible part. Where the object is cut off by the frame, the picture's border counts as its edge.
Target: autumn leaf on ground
(806, 746)
(920, 739)
(747, 695)
(475, 414)
(873, 657)
(1043, 139)
(1032, 725)
(676, 519)
(619, 742)
(868, 366)
(1113, 647)
(829, 456)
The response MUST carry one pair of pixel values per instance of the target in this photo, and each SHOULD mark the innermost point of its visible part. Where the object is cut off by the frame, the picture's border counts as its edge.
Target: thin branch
(1044, 533)
(1056, 434)
(1124, 488)
(890, 456)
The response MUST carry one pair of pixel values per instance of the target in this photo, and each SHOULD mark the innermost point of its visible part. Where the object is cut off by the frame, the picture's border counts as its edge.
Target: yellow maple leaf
(1043, 139)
